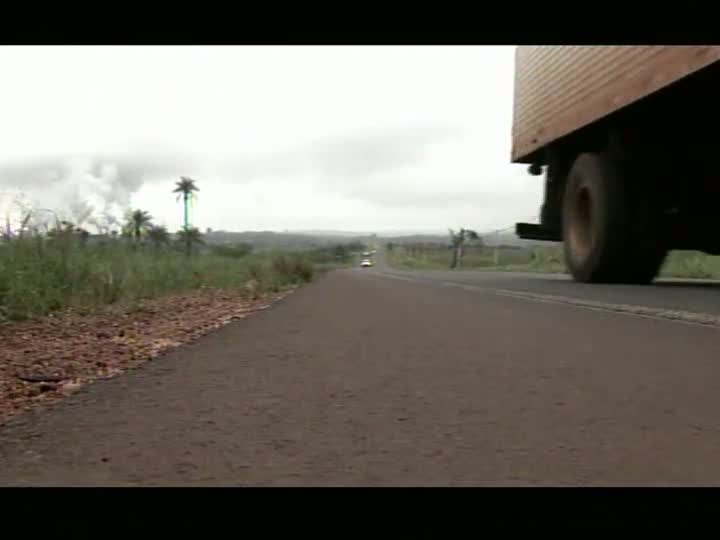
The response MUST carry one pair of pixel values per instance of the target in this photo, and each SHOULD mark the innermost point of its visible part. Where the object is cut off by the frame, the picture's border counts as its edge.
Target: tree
(341, 252)
(189, 238)
(158, 235)
(457, 240)
(138, 222)
(25, 224)
(186, 189)
(67, 231)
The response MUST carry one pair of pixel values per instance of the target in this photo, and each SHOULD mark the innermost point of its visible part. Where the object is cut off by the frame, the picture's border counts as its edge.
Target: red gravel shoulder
(43, 360)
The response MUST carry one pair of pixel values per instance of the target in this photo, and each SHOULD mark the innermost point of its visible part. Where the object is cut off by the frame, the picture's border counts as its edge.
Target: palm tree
(138, 221)
(158, 235)
(186, 189)
(190, 237)
(458, 240)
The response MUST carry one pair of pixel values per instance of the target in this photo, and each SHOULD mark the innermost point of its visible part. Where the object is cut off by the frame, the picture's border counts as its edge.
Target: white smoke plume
(93, 192)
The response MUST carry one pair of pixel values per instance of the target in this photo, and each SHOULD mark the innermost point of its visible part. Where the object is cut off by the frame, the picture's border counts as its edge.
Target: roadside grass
(482, 258)
(41, 275)
(679, 264)
(691, 264)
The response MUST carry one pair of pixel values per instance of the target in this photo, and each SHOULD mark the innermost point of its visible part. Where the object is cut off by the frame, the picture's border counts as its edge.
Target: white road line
(687, 317)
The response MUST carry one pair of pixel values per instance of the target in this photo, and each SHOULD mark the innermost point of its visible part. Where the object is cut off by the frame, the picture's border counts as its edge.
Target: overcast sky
(277, 138)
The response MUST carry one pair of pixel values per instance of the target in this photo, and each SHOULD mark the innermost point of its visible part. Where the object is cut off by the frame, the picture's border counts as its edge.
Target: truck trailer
(625, 138)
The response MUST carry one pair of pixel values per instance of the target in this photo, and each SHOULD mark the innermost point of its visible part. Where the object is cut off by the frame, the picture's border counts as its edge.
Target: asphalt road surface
(375, 377)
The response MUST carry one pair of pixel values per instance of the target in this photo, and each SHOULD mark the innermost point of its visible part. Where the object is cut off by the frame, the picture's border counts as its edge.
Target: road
(376, 377)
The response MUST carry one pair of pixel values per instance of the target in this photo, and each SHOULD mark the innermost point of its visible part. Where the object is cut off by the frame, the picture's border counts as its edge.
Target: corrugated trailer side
(560, 89)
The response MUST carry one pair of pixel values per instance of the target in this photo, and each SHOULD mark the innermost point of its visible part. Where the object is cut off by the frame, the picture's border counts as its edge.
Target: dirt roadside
(42, 361)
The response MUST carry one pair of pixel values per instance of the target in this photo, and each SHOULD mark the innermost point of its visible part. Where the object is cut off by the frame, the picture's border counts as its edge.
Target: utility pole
(496, 251)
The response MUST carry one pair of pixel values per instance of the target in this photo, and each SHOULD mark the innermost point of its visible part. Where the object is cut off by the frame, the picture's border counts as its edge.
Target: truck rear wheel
(609, 223)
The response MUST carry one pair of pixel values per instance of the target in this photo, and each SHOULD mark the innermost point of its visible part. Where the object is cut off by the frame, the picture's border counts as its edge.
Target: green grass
(691, 264)
(40, 275)
(500, 259)
(679, 264)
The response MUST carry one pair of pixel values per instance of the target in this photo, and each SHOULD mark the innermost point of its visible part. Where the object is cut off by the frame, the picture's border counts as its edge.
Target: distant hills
(318, 238)
(340, 234)
(278, 240)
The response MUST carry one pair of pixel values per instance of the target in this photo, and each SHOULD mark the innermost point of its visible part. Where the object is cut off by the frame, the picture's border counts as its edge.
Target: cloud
(434, 193)
(367, 154)
(89, 188)
(344, 157)
(306, 132)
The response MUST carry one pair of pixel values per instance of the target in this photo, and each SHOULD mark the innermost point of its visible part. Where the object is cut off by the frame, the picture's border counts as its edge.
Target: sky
(354, 138)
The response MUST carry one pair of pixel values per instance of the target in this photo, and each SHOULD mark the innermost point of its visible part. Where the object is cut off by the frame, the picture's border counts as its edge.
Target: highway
(379, 377)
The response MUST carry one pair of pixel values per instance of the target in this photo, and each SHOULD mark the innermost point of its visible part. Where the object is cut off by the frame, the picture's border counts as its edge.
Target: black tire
(610, 227)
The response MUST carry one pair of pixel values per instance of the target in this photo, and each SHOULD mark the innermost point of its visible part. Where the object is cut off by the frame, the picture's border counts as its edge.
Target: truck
(625, 139)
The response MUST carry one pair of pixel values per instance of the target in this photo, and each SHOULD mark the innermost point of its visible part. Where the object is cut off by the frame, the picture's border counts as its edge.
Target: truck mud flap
(530, 231)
